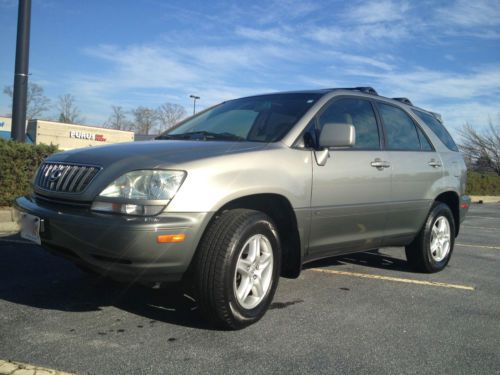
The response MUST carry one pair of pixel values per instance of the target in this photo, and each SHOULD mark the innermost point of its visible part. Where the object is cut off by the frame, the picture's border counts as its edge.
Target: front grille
(64, 177)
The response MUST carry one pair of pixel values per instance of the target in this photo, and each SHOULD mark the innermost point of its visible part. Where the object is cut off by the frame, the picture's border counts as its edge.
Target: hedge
(18, 163)
(483, 184)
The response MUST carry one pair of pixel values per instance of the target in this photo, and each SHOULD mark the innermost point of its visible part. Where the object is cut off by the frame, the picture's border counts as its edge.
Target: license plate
(30, 228)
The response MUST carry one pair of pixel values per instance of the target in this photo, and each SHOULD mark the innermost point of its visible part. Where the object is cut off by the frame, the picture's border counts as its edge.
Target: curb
(18, 368)
(485, 199)
(8, 222)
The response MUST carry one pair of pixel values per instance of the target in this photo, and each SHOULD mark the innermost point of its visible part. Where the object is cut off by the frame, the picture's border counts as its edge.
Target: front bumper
(121, 247)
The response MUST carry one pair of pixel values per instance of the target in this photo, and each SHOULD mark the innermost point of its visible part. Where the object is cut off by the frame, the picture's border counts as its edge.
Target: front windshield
(266, 118)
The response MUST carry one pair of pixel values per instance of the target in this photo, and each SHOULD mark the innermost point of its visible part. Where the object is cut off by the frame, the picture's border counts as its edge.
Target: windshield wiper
(203, 135)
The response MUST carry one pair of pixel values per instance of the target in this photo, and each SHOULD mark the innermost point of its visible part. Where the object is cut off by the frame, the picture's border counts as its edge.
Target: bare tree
(37, 102)
(169, 114)
(482, 148)
(118, 119)
(146, 120)
(68, 111)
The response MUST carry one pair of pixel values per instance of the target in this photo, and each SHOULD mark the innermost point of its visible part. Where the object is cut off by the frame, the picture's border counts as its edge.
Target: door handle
(435, 164)
(379, 164)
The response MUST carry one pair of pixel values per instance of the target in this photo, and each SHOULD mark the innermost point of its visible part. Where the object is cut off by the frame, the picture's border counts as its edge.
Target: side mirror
(337, 135)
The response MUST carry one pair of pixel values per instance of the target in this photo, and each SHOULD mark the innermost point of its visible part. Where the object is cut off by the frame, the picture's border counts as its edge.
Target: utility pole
(20, 95)
(195, 98)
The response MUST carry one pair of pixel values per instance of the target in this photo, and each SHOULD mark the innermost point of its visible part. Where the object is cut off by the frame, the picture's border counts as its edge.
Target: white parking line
(485, 217)
(484, 228)
(473, 245)
(395, 279)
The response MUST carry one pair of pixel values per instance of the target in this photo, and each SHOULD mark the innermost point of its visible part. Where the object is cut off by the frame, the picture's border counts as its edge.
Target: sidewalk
(11, 367)
(8, 224)
(485, 198)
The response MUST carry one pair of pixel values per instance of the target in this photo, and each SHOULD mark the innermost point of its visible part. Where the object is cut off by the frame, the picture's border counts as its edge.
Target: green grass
(483, 184)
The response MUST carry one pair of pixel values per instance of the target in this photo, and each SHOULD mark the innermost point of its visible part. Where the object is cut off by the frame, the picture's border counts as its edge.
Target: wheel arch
(451, 199)
(280, 210)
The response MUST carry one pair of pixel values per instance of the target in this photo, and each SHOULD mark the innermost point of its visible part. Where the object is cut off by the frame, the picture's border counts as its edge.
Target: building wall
(5, 127)
(70, 136)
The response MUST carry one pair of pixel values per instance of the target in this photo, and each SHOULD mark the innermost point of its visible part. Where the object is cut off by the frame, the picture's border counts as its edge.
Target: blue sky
(443, 55)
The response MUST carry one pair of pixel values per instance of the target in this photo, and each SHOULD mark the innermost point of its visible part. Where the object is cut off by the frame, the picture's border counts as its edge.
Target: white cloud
(363, 60)
(377, 11)
(366, 35)
(471, 96)
(269, 35)
(475, 113)
(425, 84)
(466, 13)
(463, 18)
(258, 47)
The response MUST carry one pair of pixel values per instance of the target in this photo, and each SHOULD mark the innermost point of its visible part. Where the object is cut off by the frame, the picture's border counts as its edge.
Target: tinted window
(400, 130)
(265, 118)
(438, 129)
(356, 112)
(424, 142)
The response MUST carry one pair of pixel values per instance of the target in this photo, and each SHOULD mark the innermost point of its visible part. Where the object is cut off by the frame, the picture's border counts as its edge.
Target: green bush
(483, 184)
(18, 163)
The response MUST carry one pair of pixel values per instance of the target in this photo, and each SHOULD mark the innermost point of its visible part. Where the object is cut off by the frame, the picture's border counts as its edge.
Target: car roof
(362, 90)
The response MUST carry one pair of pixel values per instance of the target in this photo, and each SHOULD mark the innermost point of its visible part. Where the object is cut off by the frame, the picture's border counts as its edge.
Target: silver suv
(249, 190)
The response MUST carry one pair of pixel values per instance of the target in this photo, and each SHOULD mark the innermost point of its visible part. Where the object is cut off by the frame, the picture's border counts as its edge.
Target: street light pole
(195, 98)
(20, 95)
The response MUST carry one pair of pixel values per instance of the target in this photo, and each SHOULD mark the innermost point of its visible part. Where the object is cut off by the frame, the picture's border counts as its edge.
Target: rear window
(438, 129)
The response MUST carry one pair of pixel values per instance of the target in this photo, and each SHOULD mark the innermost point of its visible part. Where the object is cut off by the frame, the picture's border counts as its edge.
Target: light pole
(195, 98)
(21, 72)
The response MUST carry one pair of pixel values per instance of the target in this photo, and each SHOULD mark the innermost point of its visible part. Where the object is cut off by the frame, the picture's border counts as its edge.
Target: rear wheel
(237, 268)
(431, 250)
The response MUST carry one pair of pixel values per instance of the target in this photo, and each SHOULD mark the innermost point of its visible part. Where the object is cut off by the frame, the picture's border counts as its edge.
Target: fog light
(127, 209)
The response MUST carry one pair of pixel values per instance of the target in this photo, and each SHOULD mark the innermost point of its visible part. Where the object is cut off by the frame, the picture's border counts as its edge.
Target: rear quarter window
(437, 129)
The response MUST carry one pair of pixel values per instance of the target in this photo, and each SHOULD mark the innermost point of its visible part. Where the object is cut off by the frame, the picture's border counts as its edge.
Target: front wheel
(431, 250)
(237, 268)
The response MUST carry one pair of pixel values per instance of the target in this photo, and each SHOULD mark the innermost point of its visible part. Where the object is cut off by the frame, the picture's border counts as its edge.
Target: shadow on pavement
(30, 276)
(373, 259)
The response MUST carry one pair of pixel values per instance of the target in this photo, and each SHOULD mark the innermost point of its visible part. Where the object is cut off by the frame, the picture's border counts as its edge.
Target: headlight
(144, 192)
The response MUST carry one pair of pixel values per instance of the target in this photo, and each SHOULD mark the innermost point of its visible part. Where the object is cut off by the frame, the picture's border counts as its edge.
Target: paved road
(335, 321)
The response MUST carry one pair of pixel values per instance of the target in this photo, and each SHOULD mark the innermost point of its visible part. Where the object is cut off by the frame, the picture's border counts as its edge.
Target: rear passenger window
(355, 112)
(424, 142)
(438, 129)
(400, 131)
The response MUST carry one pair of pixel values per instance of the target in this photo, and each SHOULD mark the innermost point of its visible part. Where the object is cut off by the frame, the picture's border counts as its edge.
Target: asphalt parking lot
(365, 313)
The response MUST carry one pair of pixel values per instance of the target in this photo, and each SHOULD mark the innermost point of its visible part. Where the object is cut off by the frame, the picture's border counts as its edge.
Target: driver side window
(357, 112)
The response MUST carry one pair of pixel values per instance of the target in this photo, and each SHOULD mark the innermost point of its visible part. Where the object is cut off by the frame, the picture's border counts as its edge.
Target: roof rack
(404, 100)
(437, 116)
(366, 90)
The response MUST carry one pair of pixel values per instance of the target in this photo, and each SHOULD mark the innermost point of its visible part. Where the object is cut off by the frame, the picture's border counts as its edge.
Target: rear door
(416, 169)
(350, 192)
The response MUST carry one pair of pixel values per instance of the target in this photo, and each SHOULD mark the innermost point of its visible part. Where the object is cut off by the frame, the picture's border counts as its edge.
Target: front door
(350, 192)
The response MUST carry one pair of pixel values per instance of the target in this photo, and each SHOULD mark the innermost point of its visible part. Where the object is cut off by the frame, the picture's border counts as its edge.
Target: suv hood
(120, 158)
(152, 154)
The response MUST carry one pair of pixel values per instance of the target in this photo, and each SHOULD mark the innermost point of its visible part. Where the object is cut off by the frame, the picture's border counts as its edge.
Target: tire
(431, 250)
(231, 241)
